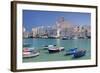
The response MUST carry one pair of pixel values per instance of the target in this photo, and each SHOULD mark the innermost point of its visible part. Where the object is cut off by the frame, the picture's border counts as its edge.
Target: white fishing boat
(27, 53)
(52, 49)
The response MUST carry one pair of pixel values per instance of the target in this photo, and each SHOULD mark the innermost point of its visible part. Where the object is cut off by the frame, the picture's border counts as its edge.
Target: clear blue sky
(33, 18)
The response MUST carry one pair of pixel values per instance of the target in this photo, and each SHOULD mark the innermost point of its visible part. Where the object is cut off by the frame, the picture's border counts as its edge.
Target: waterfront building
(61, 29)
(25, 33)
(82, 31)
(64, 28)
(39, 31)
(88, 31)
(34, 32)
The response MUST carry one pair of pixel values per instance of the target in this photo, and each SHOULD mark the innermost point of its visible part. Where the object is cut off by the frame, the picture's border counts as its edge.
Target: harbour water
(38, 44)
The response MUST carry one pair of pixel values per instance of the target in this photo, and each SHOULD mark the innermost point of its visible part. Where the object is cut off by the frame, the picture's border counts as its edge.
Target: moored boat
(64, 38)
(53, 49)
(71, 51)
(47, 46)
(27, 53)
(79, 53)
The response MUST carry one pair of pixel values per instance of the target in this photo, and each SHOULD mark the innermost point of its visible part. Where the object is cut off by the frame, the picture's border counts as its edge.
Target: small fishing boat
(64, 38)
(79, 53)
(53, 49)
(61, 48)
(70, 51)
(46, 47)
(27, 53)
(28, 49)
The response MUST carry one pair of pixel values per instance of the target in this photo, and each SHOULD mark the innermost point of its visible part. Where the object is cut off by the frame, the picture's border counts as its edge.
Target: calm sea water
(67, 44)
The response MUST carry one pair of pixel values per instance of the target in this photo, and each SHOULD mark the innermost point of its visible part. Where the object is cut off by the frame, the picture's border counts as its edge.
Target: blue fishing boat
(79, 53)
(71, 51)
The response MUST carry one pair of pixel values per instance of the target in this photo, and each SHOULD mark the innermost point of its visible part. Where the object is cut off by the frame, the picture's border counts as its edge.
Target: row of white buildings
(61, 29)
